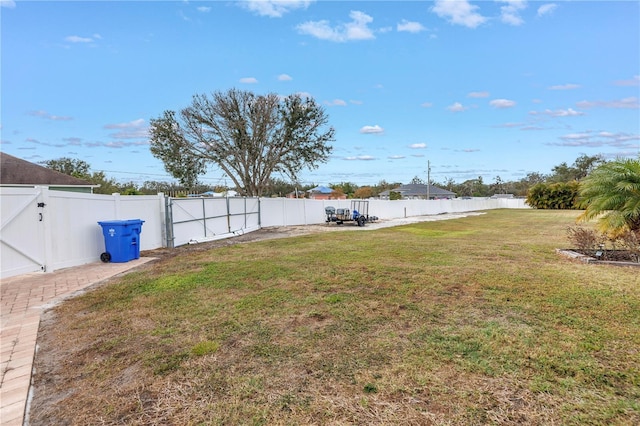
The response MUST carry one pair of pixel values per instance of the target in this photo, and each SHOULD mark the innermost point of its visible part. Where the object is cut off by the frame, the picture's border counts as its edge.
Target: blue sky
(476, 88)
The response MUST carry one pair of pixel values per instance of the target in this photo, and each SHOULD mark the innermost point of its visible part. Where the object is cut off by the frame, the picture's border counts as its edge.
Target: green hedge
(561, 195)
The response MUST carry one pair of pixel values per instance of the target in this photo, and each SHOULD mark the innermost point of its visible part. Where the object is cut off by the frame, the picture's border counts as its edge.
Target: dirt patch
(273, 232)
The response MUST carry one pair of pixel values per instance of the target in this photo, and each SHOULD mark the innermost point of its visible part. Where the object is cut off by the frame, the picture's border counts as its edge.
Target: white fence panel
(193, 218)
(244, 214)
(76, 236)
(22, 243)
(68, 234)
(72, 222)
(203, 219)
(149, 208)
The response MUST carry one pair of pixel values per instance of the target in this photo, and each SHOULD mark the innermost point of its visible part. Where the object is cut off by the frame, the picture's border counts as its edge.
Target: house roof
(15, 171)
(417, 189)
(321, 189)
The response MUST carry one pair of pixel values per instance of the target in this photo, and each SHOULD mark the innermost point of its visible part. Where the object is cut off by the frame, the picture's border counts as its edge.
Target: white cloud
(457, 107)
(129, 125)
(510, 14)
(630, 103)
(426, 104)
(396, 157)
(135, 129)
(284, 77)
(568, 86)
(78, 39)
(459, 12)
(336, 102)
(509, 125)
(502, 103)
(569, 112)
(248, 80)
(360, 158)
(9, 4)
(357, 29)
(47, 116)
(418, 145)
(547, 9)
(478, 95)
(371, 129)
(274, 8)
(592, 140)
(634, 81)
(203, 9)
(410, 27)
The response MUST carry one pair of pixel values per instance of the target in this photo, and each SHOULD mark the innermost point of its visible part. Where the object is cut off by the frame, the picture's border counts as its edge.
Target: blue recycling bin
(121, 240)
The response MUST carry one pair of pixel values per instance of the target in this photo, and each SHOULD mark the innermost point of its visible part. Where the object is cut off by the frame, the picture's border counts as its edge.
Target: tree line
(277, 187)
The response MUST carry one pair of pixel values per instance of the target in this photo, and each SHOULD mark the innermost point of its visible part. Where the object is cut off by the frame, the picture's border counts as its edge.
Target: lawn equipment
(359, 213)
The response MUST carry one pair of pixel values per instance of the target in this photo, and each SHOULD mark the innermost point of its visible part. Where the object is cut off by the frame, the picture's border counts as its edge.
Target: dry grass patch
(469, 321)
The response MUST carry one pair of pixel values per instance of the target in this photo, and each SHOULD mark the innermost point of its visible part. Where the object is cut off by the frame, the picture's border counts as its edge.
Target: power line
(212, 179)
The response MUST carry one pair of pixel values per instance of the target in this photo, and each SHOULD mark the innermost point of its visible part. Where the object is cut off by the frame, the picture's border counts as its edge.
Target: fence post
(228, 216)
(116, 205)
(163, 218)
(47, 230)
(168, 220)
(204, 217)
(259, 214)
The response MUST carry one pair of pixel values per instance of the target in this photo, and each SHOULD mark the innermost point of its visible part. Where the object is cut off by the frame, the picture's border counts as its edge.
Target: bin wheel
(105, 257)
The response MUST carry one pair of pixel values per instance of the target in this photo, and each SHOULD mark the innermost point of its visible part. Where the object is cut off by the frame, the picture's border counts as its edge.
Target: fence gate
(200, 219)
(23, 231)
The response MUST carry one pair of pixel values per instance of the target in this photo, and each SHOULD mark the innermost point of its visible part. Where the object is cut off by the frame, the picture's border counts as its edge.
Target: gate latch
(41, 204)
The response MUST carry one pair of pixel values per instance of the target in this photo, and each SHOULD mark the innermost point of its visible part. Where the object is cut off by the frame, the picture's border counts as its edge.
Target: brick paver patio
(24, 298)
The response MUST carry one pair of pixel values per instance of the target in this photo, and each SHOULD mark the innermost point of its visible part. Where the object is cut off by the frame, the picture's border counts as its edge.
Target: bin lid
(121, 222)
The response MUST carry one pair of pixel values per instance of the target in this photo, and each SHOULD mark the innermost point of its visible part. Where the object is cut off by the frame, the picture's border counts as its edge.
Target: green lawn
(467, 321)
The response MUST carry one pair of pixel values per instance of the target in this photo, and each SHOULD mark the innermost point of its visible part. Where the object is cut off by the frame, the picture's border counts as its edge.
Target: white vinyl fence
(44, 230)
(195, 220)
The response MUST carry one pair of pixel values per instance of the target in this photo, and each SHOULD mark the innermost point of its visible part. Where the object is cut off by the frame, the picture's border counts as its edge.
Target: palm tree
(612, 193)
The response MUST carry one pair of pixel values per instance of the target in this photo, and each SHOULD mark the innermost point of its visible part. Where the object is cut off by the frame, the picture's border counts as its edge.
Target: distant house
(419, 192)
(296, 194)
(212, 194)
(324, 193)
(15, 172)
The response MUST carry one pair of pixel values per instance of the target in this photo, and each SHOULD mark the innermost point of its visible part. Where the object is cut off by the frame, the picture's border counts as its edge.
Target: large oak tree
(250, 137)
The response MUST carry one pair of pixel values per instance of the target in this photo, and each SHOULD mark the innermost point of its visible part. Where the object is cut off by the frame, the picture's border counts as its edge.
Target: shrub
(584, 238)
(588, 241)
(560, 195)
(630, 240)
